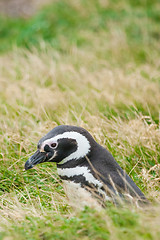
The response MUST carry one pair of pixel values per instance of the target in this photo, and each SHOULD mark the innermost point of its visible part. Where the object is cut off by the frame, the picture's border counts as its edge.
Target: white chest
(79, 197)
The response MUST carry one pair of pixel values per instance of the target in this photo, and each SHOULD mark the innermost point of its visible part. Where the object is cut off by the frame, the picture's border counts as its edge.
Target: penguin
(89, 173)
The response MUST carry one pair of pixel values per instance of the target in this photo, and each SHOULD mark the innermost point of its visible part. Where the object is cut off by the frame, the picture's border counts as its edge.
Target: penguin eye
(54, 145)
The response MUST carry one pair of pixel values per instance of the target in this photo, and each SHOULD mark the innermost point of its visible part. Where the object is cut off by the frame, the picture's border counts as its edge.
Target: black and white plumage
(89, 172)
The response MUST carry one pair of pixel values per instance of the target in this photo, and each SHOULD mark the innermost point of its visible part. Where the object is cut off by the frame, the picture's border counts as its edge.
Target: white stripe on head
(83, 145)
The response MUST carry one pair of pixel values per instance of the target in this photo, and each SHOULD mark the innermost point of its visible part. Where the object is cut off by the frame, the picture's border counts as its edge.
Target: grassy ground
(89, 63)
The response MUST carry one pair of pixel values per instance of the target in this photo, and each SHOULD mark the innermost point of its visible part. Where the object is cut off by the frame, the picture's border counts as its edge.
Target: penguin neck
(74, 163)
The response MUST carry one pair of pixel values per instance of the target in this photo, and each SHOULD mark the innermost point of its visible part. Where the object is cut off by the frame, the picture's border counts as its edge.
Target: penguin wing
(114, 177)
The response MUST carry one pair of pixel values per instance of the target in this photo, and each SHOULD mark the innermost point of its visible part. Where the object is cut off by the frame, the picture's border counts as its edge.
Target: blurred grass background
(90, 63)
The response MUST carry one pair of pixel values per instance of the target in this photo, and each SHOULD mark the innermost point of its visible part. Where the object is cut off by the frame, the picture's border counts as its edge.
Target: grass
(93, 64)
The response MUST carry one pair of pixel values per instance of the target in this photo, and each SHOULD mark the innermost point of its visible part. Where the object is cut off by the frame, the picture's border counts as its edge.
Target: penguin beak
(36, 158)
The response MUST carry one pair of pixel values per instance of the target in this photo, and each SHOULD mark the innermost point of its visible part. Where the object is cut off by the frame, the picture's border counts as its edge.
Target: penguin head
(62, 144)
